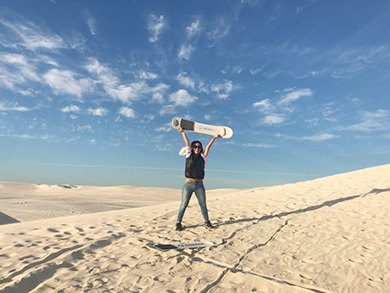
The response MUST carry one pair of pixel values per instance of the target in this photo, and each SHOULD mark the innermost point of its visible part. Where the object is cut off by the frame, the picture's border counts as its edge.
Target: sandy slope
(326, 235)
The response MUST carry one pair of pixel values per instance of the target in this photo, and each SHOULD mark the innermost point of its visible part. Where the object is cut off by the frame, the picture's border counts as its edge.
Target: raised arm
(207, 149)
(187, 142)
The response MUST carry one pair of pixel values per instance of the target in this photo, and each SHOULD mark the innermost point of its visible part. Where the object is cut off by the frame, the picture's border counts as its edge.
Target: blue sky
(88, 89)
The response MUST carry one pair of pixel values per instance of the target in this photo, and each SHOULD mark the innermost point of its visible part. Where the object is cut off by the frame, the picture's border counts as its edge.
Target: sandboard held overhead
(187, 125)
(166, 247)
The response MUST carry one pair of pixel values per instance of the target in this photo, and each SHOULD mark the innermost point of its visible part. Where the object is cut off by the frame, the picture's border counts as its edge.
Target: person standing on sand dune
(194, 173)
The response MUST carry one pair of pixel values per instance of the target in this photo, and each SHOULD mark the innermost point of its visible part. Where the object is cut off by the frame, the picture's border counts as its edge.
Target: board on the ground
(223, 131)
(181, 246)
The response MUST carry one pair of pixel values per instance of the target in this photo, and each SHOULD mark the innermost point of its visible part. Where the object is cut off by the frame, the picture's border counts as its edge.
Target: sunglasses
(197, 147)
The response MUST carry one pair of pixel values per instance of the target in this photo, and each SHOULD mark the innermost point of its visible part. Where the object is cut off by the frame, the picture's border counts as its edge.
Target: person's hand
(181, 130)
(217, 136)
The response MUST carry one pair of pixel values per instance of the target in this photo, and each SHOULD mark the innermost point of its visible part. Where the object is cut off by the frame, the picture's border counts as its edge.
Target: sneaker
(208, 225)
(179, 226)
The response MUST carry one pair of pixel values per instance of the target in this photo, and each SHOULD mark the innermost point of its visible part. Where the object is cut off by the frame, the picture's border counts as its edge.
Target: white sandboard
(166, 247)
(187, 125)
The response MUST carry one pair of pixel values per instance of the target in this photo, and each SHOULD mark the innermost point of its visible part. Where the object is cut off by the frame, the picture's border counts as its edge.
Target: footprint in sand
(310, 261)
(305, 276)
(53, 230)
(376, 279)
(368, 248)
(356, 260)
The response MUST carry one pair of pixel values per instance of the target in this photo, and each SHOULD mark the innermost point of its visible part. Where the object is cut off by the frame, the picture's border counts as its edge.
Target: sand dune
(326, 235)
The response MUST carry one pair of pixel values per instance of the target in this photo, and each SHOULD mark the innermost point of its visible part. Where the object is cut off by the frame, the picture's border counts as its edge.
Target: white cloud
(238, 69)
(31, 37)
(273, 119)
(185, 51)
(158, 97)
(254, 71)
(168, 110)
(158, 92)
(10, 106)
(223, 90)
(71, 108)
(127, 93)
(264, 106)
(258, 145)
(220, 31)
(98, 112)
(186, 81)
(147, 75)
(155, 27)
(314, 138)
(295, 95)
(91, 22)
(365, 126)
(194, 29)
(127, 112)
(312, 122)
(16, 69)
(371, 121)
(166, 128)
(124, 93)
(182, 98)
(83, 128)
(65, 82)
(319, 137)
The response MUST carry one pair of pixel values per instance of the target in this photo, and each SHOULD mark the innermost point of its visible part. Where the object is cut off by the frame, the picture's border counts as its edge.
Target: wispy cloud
(186, 81)
(294, 95)
(258, 145)
(194, 29)
(127, 112)
(273, 119)
(71, 108)
(156, 24)
(182, 98)
(185, 51)
(223, 90)
(31, 37)
(16, 70)
(98, 111)
(66, 82)
(264, 106)
(371, 121)
(12, 106)
(313, 138)
(188, 47)
(146, 75)
(92, 25)
(277, 112)
(219, 31)
(125, 93)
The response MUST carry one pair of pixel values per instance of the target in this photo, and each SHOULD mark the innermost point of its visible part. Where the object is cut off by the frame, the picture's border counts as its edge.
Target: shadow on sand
(329, 203)
(5, 219)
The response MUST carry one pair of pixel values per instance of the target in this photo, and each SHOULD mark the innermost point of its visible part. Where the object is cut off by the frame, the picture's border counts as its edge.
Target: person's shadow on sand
(329, 203)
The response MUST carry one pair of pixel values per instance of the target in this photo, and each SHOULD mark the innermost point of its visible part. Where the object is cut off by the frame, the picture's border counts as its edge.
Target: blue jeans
(188, 188)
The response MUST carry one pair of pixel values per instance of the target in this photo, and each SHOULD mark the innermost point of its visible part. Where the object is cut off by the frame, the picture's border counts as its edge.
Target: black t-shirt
(195, 167)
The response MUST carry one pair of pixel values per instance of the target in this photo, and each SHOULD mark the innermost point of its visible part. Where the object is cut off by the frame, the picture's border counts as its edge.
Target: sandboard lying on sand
(187, 125)
(166, 247)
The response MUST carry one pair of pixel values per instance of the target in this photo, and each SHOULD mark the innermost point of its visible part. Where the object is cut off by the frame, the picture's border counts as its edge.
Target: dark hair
(195, 142)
